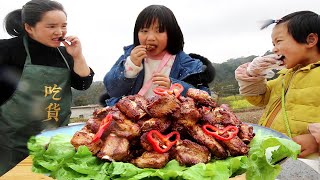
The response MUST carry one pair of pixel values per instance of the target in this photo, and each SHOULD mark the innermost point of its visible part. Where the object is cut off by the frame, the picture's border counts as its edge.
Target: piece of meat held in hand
(83, 137)
(61, 39)
(150, 47)
(160, 106)
(151, 160)
(201, 97)
(130, 107)
(114, 149)
(189, 153)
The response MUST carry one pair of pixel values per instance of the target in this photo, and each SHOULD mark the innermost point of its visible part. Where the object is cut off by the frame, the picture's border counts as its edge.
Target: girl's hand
(161, 80)
(308, 144)
(73, 46)
(138, 54)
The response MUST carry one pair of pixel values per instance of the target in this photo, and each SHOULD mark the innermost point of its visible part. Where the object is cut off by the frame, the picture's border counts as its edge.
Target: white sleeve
(131, 70)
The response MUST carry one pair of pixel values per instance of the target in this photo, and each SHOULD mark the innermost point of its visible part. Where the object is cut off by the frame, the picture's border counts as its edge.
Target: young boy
(291, 101)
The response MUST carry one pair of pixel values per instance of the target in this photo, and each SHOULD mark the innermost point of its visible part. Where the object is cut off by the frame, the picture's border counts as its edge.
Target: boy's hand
(138, 54)
(308, 144)
(260, 65)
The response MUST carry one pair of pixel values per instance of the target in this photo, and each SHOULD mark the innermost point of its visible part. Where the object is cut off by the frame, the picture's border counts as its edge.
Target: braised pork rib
(126, 137)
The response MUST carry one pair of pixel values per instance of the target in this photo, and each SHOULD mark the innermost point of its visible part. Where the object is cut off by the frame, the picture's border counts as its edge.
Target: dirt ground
(250, 116)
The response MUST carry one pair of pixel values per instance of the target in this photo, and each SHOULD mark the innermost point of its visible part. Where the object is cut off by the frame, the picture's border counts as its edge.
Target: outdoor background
(225, 31)
(217, 29)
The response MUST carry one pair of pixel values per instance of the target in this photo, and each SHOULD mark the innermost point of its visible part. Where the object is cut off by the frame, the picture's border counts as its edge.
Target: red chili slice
(105, 123)
(160, 91)
(175, 89)
(155, 136)
(232, 131)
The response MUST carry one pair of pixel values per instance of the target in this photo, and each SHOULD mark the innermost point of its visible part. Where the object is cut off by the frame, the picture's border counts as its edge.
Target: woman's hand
(308, 144)
(138, 54)
(161, 80)
(73, 46)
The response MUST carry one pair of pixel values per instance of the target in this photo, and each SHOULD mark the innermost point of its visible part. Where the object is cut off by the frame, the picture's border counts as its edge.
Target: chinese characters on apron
(41, 101)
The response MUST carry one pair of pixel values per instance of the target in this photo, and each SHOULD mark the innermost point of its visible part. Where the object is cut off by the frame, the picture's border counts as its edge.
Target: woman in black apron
(36, 76)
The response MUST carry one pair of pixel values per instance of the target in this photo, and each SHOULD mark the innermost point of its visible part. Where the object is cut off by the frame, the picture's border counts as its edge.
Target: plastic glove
(262, 66)
(249, 85)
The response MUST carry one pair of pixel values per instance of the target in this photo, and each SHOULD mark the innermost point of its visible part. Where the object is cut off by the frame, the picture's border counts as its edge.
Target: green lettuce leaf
(265, 152)
(59, 160)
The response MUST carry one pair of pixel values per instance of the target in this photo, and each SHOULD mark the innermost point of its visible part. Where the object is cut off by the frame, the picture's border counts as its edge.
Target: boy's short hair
(167, 22)
(301, 24)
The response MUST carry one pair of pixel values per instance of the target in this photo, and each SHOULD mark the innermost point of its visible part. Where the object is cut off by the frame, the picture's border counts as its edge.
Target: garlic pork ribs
(150, 132)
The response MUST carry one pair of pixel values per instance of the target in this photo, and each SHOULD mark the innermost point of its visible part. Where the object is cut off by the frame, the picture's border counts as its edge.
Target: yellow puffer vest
(302, 100)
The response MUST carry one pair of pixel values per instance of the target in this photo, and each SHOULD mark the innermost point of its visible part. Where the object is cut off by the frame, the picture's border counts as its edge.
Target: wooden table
(23, 171)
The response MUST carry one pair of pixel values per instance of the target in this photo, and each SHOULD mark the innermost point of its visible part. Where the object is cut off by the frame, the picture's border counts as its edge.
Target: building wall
(83, 111)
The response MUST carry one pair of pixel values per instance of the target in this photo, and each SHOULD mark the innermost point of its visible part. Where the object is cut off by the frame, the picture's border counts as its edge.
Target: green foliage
(235, 102)
(78, 120)
(233, 98)
(240, 104)
(223, 85)
(89, 96)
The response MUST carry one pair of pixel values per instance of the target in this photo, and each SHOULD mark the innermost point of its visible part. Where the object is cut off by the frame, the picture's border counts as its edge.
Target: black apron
(41, 101)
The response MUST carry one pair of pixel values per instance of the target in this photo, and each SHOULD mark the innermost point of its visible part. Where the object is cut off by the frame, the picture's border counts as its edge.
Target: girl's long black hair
(167, 22)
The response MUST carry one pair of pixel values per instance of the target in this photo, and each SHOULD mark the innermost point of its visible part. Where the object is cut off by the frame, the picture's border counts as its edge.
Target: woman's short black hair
(31, 13)
(167, 22)
(301, 24)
